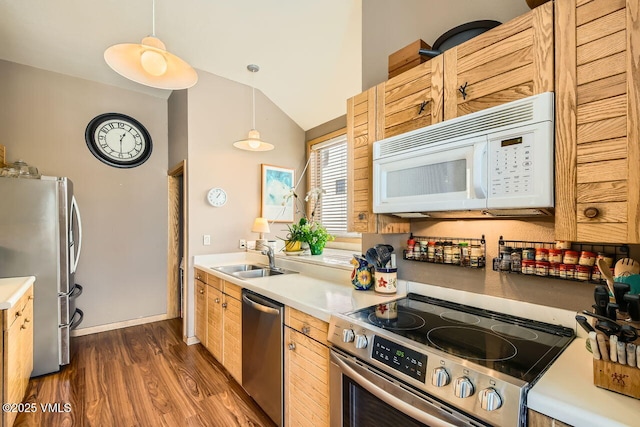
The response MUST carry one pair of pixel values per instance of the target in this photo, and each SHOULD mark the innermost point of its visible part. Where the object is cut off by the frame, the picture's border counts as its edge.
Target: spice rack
(557, 260)
(456, 251)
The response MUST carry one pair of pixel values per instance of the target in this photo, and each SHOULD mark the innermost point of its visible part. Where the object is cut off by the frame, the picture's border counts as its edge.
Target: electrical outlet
(206, 239)
(242, 244)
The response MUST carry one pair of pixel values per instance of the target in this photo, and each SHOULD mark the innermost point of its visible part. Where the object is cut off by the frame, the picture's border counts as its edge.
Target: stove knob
(489, 399)
(347, 335)
(440, 377)
(361, 341)
(463, 387)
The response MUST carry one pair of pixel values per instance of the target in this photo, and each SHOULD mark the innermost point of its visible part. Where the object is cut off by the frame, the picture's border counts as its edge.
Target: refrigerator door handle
(74, 323)
(74, 208)
(76, 292)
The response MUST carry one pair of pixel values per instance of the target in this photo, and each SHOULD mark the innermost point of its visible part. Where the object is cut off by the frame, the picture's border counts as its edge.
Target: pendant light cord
(253, 122)
(153, 18)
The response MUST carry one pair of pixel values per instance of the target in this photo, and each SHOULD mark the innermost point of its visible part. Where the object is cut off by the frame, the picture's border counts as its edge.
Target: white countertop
(12, 288)
(565, 392)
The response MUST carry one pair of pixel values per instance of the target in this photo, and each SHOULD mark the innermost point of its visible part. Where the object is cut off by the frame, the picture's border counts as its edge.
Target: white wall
(219, 114)
(123, 264)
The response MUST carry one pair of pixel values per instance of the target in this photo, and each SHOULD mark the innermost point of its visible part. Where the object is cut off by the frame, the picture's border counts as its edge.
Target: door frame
(176, 207)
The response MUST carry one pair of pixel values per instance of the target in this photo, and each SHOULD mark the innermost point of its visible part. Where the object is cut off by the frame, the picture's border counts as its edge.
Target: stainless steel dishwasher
(262, 353)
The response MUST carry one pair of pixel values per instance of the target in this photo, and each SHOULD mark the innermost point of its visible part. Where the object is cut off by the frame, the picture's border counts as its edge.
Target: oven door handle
(389, 399)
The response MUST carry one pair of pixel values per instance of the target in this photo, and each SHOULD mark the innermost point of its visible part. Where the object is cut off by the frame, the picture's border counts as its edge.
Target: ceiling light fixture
(253, 142)
(150, 64)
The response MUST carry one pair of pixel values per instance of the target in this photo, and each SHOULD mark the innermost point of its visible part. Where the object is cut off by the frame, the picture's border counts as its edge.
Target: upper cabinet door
(512, 61)
(411, 100)
(597, 134)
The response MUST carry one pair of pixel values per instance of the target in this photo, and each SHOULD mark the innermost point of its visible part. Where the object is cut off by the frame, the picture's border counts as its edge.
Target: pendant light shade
(253, 142)
(149, 63)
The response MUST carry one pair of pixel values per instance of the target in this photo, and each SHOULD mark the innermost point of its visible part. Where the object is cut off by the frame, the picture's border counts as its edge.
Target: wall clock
(217, 197)
(118, 140)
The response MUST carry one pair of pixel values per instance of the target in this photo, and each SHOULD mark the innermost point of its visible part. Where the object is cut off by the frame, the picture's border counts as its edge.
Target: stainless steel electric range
(424, 361)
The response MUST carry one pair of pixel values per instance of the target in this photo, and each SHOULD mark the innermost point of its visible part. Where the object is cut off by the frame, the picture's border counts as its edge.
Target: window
(328, 171)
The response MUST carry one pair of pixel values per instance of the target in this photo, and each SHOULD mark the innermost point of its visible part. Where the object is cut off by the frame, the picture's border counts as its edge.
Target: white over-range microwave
(495, 162)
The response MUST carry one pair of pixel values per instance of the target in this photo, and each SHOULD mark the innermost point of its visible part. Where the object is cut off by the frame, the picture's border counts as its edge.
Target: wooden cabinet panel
(201, 311)
(17, 352)
(308, 325)
(214, 322)
(306, 380)
(596, 127)
(536, 419)
(507, 63)
(232, 336)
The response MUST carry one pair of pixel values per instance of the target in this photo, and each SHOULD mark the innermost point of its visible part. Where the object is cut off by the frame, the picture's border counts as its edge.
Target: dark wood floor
(141, 376)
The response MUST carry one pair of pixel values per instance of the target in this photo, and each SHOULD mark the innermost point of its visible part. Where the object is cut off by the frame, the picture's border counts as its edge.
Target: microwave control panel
(511, 167)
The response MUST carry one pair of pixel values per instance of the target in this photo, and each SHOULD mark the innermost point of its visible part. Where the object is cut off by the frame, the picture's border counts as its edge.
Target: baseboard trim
(191, 340)
(118, 325)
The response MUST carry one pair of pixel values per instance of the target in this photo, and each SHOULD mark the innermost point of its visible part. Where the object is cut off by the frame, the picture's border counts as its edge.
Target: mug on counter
(386, 280)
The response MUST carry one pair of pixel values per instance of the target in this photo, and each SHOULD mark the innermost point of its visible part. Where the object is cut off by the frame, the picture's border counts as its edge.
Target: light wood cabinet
(507, 63)
(536, 419)
(306, 370)
(361, 134)
(223, 323)
(597, 103)
(201, 306)
(17, 352)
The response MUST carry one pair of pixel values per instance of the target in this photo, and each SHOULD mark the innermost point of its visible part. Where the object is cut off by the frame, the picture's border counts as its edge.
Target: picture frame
(277, 184)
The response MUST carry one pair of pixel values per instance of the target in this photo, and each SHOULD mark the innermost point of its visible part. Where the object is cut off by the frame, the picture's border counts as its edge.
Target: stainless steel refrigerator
(41, 236)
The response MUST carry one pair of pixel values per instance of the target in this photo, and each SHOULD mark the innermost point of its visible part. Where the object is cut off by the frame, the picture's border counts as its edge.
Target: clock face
(217, 197)
(118, 140)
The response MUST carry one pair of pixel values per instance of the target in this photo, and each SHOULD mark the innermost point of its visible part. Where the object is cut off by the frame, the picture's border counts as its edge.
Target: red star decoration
(382, 283)
(382, 308)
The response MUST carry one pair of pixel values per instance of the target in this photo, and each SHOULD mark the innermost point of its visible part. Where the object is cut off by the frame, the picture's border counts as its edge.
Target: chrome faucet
(272, 259)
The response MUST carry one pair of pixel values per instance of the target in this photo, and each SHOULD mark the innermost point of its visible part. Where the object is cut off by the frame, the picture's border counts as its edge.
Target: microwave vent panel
(476, 123)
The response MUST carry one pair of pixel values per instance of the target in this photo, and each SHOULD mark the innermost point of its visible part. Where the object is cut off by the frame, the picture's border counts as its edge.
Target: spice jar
(528, 266)
(438, 253)
(455, 254)
(587, 258)
(567, 271)
(555, 255)
(447, 254)
(570, 257)
(554, 269)
(416, 251)
(465, 256)
(583, 272)
(595, 273)
(516, 260)
(563, 244)
(542, 268)
(607, 258)
(542, 254)
(431, 251)
(477, 256)
(528, 254)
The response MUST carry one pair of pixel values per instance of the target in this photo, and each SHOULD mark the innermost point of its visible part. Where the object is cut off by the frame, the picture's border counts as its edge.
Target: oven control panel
(400, 358)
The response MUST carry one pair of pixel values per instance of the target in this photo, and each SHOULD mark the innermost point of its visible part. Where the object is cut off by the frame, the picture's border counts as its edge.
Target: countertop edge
(12, 289)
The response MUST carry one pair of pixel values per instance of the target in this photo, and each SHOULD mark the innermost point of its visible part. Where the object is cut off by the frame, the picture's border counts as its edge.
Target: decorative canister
(555, 255)
(583, 272)
(362, 275)
(570, 257)
(587, 258)
(528, 266)
(386, 281)
(567, 271)
(542, 254)
(528, 254)
(542, 268)
(388, 311)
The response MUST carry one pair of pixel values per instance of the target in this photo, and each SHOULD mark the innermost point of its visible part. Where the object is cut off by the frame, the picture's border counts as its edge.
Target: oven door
(363, 396)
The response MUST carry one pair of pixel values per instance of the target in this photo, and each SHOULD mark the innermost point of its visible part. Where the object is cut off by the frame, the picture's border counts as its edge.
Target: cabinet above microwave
(496, 162)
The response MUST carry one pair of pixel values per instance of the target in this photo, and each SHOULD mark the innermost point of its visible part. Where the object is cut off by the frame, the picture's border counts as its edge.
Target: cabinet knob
(591, 212)
(201, 291)
(18, 313)
(30, 297)
(292, 346)
(463, 90)
(224, 305)
(306, 330)
(217, 300)
(361, 216)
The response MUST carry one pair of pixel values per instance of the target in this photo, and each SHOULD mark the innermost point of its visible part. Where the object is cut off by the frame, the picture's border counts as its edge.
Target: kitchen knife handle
(602, 346)
(621, 349)
(613, 348)
(631, 354)
(594, 345)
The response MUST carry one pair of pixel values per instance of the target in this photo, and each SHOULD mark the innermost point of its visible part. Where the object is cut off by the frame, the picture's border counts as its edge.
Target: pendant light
(149, 63)
(253, 142)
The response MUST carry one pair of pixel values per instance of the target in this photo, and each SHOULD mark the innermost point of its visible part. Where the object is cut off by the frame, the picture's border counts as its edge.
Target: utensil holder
(612, 376)
(386, 280)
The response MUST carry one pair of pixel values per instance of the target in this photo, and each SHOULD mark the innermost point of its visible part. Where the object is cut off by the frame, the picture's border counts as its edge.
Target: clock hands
(121, 138)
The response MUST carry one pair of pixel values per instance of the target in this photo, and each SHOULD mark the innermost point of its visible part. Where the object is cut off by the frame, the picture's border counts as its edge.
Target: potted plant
(307, 229)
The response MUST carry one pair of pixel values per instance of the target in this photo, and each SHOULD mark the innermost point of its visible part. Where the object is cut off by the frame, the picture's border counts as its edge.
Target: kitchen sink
(230, 269)
(264, 272)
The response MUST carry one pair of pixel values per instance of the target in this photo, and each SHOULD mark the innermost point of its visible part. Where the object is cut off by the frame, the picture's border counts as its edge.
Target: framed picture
(277, 183)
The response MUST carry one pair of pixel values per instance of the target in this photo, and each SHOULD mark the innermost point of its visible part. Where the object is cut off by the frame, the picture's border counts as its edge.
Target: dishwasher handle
(260, 307)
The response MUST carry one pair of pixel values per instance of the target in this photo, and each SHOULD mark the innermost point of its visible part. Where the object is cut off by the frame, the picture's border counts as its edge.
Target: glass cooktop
(515, 346)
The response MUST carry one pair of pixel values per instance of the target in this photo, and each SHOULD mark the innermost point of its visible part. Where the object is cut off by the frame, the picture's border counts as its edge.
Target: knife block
(622, 379)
